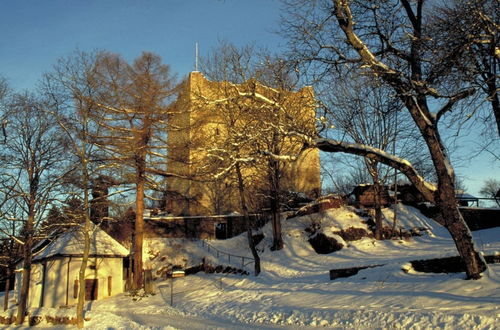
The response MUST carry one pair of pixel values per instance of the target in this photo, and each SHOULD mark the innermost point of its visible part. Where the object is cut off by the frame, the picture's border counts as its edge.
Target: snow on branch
(253, 94)
(115, 110)
(425, 188)
(234, 161)
(286, 158)
(12, 237)
(344, 17)
(262, 98)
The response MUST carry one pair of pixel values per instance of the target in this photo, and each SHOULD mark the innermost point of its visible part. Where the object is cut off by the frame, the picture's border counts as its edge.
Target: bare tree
(132, 111)
(465, 37)
(227, 62)
(69, 88)
(367, 114)
(9, 247)
(350, 172)
(389, 40)
(218, 191)
(9, 253)
(274, 142)
(76, 125)
(229, 156)
(491, 189)
(31, 164)
(279, 116)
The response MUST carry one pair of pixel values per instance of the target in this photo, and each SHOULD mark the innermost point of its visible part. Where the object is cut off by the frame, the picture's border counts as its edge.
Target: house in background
(364, 195)
(55, 268)
(464, 198)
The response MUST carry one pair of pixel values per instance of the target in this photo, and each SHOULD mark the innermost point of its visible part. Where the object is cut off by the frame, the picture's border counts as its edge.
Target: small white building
(55, 268)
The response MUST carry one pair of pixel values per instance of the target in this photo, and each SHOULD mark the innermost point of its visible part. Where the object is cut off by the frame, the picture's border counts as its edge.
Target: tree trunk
(378, 212)
(244, 207)
(428, 126)
(445, 198)
(252, 246)
(7, 289)
(276, 222)
(86, 250)
(137, 281)
(454, 222)
(81, 276)
(395, 218)
(274, 182)
(462, 237)
(26, 274)
(373, 170)
(426, 189)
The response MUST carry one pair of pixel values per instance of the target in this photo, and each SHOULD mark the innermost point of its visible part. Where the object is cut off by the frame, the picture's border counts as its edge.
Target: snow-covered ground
(294, 289)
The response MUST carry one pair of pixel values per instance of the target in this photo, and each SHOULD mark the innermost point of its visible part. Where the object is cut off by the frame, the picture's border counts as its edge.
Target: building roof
(71, 243)
(463, 196)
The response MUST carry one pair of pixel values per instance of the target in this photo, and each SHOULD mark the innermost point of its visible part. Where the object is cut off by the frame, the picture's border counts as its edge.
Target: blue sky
(35, 33)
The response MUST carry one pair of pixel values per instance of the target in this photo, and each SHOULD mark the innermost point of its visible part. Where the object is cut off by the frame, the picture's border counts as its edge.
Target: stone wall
(481, 218)
(202, 227)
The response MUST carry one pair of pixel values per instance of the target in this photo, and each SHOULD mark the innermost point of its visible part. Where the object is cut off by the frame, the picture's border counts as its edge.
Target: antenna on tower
(196, 57)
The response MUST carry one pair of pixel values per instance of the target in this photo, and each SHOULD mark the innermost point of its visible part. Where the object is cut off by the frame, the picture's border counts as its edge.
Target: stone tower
(197, 122)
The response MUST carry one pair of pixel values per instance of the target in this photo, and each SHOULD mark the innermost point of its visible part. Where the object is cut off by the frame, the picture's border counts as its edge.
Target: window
(110, 284)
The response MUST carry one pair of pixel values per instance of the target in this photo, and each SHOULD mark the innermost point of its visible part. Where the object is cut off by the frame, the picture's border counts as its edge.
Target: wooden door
(91, 287)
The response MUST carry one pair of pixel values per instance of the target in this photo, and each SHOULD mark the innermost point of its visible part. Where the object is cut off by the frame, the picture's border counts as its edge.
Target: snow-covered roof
(466, 197)
(71, 243)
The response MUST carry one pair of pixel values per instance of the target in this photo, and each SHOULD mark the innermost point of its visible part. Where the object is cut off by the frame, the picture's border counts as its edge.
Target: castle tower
(199, 121)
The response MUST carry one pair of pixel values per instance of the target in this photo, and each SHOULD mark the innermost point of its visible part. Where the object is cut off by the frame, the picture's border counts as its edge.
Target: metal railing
(223, 256)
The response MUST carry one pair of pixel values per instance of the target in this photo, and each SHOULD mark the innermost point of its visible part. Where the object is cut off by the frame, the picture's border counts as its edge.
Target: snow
(160, 253)
(421, 113)
(72, 243)
(294, 289)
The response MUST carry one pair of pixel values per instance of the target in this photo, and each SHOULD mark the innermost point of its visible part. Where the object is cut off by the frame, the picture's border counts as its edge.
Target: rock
(323, 244)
